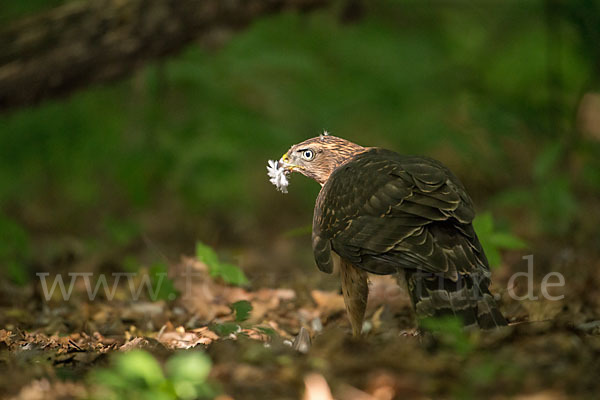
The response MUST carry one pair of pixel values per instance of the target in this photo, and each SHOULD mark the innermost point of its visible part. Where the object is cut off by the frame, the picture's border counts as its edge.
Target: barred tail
(468, 299)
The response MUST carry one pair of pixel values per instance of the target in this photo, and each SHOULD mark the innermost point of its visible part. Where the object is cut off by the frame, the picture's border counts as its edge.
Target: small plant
(228, 272)
(138, 375)
(241, 311)
(493, 240)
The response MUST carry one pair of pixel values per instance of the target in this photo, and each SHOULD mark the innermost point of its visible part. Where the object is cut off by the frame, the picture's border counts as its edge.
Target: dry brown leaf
(208, 299)
(266, 300)
(206, 333)
(328, 303)
(5, 336)
(135, 343)
(200, 294)
(256, 335)
(179, 340)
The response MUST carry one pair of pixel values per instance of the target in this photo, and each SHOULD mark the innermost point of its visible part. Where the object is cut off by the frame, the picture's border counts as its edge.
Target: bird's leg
(355, 288)
(401, 281)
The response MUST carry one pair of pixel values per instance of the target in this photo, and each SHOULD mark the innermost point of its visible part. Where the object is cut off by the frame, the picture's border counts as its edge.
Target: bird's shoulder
(380, 181)
(383, 204)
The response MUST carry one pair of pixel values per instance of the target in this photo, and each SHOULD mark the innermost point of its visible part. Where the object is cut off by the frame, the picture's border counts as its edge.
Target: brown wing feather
(384, 212)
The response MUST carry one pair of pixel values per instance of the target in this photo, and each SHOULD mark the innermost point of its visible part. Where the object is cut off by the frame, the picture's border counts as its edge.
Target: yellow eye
(308, 154)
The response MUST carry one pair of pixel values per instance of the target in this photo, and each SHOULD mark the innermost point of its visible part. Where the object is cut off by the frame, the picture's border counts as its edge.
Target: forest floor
(290, 341)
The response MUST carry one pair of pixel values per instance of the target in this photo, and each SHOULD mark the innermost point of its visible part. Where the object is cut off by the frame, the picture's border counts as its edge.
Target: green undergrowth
(137, 374)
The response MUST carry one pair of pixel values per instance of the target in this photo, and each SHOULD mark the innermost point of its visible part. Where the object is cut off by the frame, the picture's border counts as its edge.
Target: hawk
(384, 213)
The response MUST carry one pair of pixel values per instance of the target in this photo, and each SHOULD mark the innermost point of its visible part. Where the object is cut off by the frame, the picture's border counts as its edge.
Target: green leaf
(228, 272)
(266, 330)
(492, 254)
(192, 366)
(484, 223)
(225, 329)
(232, 274)
(167, 291)
(242, 310)
(493, 241)
(137, 375)
(139, 365)
(207, 255)
(504, 240)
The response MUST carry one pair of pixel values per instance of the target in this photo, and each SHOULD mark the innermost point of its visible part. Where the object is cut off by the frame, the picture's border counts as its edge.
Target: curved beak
(287, 164)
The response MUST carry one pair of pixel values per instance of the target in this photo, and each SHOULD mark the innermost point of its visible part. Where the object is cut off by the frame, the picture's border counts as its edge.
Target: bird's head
(318, 157)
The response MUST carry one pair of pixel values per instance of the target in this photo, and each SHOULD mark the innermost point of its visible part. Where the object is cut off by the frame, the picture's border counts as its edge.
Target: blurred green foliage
(550, 194)
(449, 333)
(494, 240)
(242, 310)
(476, 378)
(138, 375)
(164, 286)
(490, 88)
(225, 328)
(11, 10)
(241, 313)
(14, 250)
(228, 272)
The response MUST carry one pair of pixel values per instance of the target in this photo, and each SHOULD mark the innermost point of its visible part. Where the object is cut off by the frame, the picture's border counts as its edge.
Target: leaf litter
(277, 343)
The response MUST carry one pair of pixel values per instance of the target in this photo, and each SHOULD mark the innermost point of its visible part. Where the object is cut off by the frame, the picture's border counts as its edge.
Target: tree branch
(94, 41)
